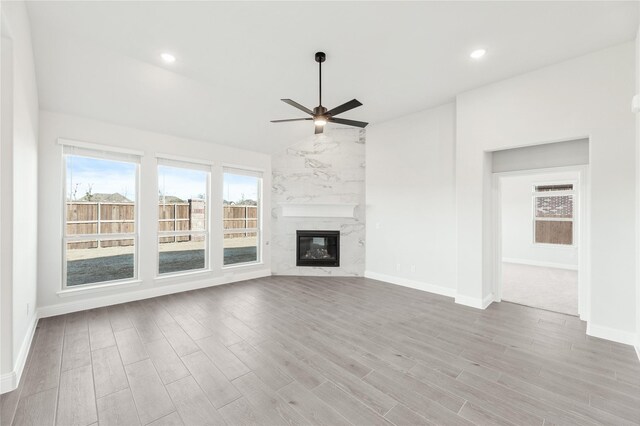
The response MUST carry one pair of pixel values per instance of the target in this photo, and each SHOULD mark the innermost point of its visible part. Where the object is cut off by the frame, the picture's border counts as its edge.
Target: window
(241, 216)
(554, 214)
(100, 230)
(183, 234)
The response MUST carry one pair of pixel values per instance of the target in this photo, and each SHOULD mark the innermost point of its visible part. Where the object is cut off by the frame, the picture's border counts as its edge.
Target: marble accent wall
(326, 168)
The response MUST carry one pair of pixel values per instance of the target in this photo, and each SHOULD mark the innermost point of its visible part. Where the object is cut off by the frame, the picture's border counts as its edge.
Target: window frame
(99, 152)
(184, 163)
(539, 194)
(258, 174)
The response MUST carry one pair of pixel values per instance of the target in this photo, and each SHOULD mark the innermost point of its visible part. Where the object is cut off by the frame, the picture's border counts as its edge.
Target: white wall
(584, 97)
(410, 181)
(517, 223)
(6, 214)
(638, 194)
(327, 168)
(19, 191)
(54, 126)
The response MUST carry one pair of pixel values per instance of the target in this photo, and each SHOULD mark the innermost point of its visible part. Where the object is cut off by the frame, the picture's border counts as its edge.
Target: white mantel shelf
(318, 209)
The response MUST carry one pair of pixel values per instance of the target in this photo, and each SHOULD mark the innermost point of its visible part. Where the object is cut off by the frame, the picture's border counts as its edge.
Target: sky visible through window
(97, 176)
(239, 187)
(108, 177)
(186, 184)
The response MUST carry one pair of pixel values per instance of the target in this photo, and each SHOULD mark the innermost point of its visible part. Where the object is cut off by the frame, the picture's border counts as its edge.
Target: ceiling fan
(320, 115)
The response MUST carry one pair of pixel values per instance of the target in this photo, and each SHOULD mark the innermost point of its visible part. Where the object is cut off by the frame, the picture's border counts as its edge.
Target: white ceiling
(235, 60)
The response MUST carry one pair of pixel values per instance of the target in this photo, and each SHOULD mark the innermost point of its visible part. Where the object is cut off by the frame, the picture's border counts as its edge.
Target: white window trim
(538, 194)
(257, 173)
(107, 153)
(100, 287)
(169, 159)
(185, 163)
(243, 170)
(98, 148)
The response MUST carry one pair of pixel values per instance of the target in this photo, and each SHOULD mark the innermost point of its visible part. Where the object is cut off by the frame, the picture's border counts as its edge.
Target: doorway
(542, 238)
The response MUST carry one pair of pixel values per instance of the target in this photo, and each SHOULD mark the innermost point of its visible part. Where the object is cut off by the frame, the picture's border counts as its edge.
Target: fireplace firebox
(318, 248)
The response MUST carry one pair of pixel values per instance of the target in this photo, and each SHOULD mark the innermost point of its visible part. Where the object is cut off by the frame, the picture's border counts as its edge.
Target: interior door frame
(583, 235)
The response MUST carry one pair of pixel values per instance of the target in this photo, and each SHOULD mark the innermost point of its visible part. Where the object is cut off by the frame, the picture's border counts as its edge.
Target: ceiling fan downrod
(320, 58)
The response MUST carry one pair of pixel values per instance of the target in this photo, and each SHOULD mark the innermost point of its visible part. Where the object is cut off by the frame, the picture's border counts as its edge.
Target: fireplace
(318, 248)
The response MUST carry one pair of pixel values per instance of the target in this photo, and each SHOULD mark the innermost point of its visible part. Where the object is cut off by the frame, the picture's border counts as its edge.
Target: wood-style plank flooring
(321, 351)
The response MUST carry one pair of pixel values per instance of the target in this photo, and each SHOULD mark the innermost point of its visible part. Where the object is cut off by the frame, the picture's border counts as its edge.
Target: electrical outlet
(413, 268)
(398, 267)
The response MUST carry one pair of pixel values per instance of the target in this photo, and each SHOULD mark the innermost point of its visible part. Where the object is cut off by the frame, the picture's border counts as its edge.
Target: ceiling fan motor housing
(319, 110)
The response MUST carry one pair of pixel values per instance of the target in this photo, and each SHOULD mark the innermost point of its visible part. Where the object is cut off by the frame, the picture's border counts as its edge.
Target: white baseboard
(444, 291)
(488, 300)
(475, 302)
(114, 299)
(613, 334)
(538, 263)
(10, 381)
(638, 351)
(405, 282)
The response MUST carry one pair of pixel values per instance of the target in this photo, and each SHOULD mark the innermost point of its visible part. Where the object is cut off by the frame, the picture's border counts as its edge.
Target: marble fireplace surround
(318, 209)
(319, 184)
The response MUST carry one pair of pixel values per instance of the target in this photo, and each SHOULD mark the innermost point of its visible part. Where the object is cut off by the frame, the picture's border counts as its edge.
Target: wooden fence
(84, 218)
(174, 217)
(240, 217)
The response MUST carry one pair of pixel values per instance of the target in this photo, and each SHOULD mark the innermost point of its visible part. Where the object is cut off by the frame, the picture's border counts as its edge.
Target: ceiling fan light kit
(320, 115)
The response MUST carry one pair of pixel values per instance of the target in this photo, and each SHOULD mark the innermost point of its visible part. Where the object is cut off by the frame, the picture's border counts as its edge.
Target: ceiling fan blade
(297, 105)
(291, 119)
(348, 122)
(319, 129)
(353, 103)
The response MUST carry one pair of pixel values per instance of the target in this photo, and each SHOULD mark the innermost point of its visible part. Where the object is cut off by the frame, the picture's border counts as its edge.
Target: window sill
(97, 288)
(241, 265)
(555, 246)
(183, 274)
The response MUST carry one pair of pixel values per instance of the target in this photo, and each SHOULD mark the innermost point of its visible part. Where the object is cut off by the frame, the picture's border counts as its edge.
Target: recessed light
(478, 53)
(168, 58)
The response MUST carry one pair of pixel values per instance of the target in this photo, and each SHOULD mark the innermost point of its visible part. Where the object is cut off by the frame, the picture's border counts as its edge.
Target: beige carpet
(547, 288)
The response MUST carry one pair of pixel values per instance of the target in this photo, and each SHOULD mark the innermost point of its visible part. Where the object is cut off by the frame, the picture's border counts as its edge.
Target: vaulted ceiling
(235, 60)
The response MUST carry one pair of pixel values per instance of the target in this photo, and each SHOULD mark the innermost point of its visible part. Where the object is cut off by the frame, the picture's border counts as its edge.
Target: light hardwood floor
(330, 351)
